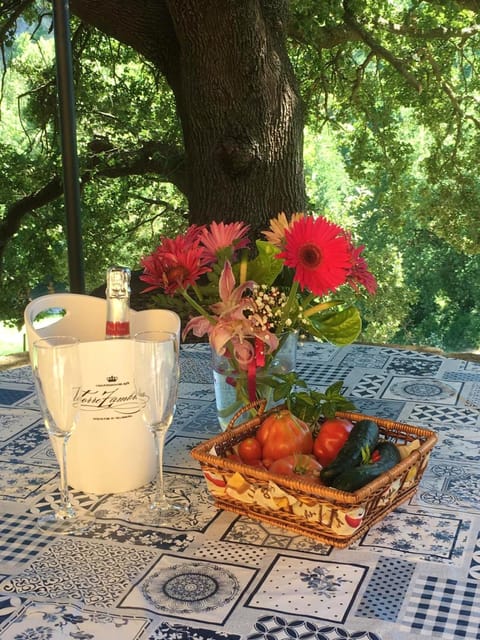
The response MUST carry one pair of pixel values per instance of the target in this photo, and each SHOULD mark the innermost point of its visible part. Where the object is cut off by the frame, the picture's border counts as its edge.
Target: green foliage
(117, 104)
(391, 152)
(308, 404)
(264, 267)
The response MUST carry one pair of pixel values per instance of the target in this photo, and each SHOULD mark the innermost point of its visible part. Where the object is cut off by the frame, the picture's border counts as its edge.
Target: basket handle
(258, 405)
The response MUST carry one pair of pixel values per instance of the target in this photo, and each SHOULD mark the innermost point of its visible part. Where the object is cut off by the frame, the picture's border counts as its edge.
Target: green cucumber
(361, 442)
(358, 477)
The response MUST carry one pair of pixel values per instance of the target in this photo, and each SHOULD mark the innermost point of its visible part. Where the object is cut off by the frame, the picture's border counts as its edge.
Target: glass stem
(64, 491)
(159, 497)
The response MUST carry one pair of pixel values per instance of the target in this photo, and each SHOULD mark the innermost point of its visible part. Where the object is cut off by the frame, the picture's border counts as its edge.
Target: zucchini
(361, 442)
(358, 477)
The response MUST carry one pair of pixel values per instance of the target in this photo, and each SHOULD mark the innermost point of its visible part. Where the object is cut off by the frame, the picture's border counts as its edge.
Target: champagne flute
(56, 370)
(156, 376)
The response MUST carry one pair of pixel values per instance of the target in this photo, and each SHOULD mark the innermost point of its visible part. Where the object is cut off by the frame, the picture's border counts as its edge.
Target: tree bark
(236, 97)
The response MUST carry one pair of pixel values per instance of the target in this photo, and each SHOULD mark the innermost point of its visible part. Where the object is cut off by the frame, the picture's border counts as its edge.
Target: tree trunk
(236, 98)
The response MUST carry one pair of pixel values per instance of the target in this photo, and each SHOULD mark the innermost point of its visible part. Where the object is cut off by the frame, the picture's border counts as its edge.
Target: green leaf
(338, 327)
(308, 404)
(265, 267)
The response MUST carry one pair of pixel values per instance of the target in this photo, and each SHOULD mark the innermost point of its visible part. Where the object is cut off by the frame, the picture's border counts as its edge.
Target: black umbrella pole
(71, 179)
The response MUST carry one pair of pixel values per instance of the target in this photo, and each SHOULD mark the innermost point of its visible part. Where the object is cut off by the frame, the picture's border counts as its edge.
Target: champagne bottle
(118, 303)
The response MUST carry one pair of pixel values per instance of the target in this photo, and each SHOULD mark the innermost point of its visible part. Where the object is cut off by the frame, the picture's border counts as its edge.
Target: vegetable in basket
(387, 456)
(298, 464)
(282, 434)
(359, 446)
(331, 437)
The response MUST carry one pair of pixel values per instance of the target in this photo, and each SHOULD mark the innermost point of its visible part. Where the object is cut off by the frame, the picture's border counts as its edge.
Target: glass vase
(231, 385)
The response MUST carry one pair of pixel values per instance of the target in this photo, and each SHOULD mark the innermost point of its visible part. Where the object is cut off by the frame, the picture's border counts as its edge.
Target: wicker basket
(328, 515)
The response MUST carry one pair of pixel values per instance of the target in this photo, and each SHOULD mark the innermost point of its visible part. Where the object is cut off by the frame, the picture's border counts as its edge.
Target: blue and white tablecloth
(217, 575)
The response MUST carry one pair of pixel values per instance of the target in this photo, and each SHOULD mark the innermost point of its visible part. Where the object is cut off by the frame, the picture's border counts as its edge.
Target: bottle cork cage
(306, 507)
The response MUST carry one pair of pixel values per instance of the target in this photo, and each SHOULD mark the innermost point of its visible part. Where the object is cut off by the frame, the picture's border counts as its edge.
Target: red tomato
(234, 458)
(258, 464)
(332, 436)
(282, 434)
(297, 464)
(250, 450)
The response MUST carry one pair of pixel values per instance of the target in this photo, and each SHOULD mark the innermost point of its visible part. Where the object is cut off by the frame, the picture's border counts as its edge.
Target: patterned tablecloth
(218, 575)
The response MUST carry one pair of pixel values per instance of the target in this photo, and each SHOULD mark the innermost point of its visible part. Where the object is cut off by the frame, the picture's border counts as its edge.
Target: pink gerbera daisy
(220, 238)
(319, 252)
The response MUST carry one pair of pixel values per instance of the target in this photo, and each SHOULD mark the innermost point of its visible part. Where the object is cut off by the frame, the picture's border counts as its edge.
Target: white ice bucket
(111, 450)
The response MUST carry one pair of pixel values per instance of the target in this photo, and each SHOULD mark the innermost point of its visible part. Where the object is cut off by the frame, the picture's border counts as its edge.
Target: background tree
(212, 98)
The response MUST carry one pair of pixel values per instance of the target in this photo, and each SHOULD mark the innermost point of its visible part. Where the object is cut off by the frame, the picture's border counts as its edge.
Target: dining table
(215, 574)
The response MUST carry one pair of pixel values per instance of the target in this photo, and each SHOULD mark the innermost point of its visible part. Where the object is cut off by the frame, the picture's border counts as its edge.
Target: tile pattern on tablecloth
(179, 586)
(69, 621)
(10, 605)
(386, 589)
(189, 490)
(279, 628)
(243, 554)
(197, 391)
(145, 536)
(14, 396)
(364, 358)
(52, 499)
(26, 443)
(471, 374)
(419, 534)
(388, 409)
(441, 416)
(369, 386)
(324, 352)
(472, 397)
(20, 540)
(44, 455)
(191, 411)
(21, 481)
(414, 366)
(239, 541)
(178, 455)
(474, 571)
(195, 368)
(257, 533)
(443, 608)
(327, 588)
(424, 390)
(167, 631)
(320, 375)
(448, 484)
(76, 569)
(202, 418)
(13, 421)
(199, 349)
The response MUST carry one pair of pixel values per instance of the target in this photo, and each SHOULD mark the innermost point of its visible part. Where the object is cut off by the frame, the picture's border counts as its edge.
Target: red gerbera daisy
(360, 273)
(319, 252)
(176, 264)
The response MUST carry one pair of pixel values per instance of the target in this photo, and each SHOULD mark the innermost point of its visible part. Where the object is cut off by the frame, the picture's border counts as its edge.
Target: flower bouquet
(305, 276)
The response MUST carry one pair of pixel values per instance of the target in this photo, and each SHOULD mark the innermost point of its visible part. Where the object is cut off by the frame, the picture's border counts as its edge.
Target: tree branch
(439, 33)
(326, 37)
(380, 50)
(144, 25)
(16, 9)
(448, 90)
(153, 158)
